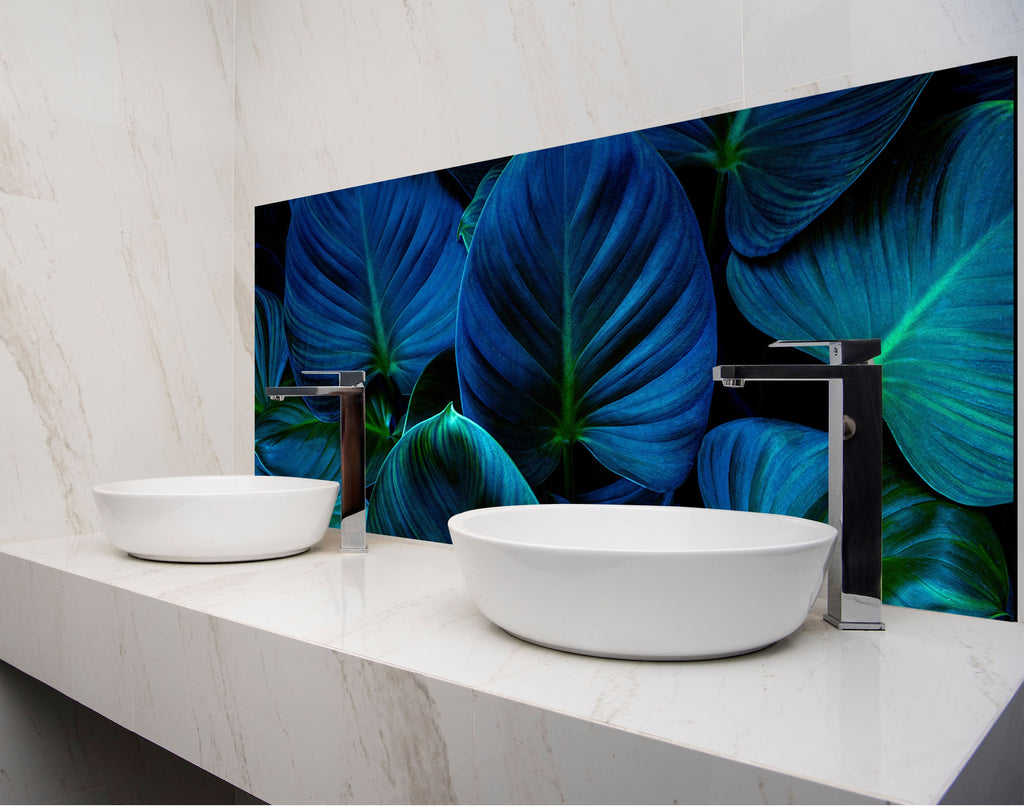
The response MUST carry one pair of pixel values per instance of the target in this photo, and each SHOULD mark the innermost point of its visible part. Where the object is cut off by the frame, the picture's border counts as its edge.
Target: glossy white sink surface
(209, 519)
(642, 582)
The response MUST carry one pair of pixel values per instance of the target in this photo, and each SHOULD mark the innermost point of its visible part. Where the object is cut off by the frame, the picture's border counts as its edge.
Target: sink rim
(272, 485)
(825, 532)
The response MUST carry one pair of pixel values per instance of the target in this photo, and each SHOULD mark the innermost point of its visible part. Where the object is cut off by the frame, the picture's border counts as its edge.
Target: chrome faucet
(351, 393)
(854, 469)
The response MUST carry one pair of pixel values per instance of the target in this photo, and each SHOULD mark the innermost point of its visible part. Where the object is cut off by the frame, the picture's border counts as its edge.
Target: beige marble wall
(116, 311)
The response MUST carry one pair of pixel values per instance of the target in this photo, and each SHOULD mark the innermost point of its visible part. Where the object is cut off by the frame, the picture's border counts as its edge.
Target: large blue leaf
(587, 314)
(372, 279)
(761, 465)
(936, 555)
(290, 441)
(921, 257)
(442, 466)
(783, 164)
(271, 347)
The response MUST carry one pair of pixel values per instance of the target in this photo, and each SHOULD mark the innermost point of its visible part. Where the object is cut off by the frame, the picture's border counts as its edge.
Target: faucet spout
(350, 390)
(854, 469)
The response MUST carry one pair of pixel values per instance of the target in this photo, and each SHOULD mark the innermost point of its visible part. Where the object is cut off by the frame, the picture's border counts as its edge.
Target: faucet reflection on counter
(350, 390)
(854, 469)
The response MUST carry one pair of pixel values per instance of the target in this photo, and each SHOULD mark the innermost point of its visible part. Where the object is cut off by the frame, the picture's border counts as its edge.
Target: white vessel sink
(209, 519)
(642, 582)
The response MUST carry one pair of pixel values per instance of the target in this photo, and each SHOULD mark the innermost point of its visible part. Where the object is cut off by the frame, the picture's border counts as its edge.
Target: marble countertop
(373, 678)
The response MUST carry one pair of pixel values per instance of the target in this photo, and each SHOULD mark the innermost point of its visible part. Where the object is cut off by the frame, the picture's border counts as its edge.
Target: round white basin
(642, 582)
(208, 519)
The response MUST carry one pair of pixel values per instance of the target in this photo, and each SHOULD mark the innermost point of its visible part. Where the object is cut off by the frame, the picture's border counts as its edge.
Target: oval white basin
(642, 582)
(209, 519)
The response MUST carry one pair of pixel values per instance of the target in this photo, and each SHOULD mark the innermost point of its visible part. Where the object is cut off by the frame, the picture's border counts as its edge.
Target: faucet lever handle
(840, 351)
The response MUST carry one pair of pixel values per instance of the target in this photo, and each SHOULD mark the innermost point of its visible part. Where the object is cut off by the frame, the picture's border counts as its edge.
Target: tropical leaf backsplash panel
(542, 327)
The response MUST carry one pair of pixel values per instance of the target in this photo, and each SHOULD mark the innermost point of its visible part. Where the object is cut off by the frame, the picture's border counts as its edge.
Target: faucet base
(854, 625)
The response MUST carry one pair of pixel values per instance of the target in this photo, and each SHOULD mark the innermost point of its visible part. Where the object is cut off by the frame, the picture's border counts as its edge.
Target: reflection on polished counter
(327, 677)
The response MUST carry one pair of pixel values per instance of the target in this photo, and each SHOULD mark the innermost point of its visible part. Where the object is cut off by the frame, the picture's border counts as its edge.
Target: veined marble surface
(330, 678)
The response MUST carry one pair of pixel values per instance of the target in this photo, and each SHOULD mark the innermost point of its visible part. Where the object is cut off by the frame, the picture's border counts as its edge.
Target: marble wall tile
(806, 46)
(333, 96)
(115, 342)
(116, 311)
(121, 106)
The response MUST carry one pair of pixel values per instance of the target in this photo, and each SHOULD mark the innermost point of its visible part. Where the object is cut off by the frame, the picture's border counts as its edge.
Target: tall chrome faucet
(854, 469)
(350, 390)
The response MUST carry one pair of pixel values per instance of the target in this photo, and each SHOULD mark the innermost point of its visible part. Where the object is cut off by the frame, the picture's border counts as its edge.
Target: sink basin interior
(642, 582)
(215, 518)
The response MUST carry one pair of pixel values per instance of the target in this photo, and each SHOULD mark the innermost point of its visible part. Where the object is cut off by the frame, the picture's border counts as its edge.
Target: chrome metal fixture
(350, 390)
(854, 469)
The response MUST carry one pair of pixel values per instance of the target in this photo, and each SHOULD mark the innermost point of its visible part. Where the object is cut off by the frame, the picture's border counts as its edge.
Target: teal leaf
(467, 226)
(587, 315)
(921, 257)
(372, 279)
(761, 465)
(442, 466)
(271, 346)
(783, 164)
(290, 441)
(936, 555)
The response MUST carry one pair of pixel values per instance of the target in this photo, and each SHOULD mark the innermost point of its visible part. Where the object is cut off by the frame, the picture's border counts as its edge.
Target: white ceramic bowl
(642, 582)
(207, 519)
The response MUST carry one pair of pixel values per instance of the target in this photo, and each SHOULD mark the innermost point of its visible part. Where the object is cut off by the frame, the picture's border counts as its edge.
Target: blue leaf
(922, 258)
(762, 465)
(785, 163)
(442, 466)
(372, 279)
(587, 314)
(271, 347)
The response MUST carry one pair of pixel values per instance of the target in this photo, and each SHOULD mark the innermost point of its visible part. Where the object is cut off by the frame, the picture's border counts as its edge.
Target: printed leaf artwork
(271, 347)
(587, 315)
(442, 466)
(783, 164)
(290, 441)
(922, 258)
(936, 554)
(372, 279)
